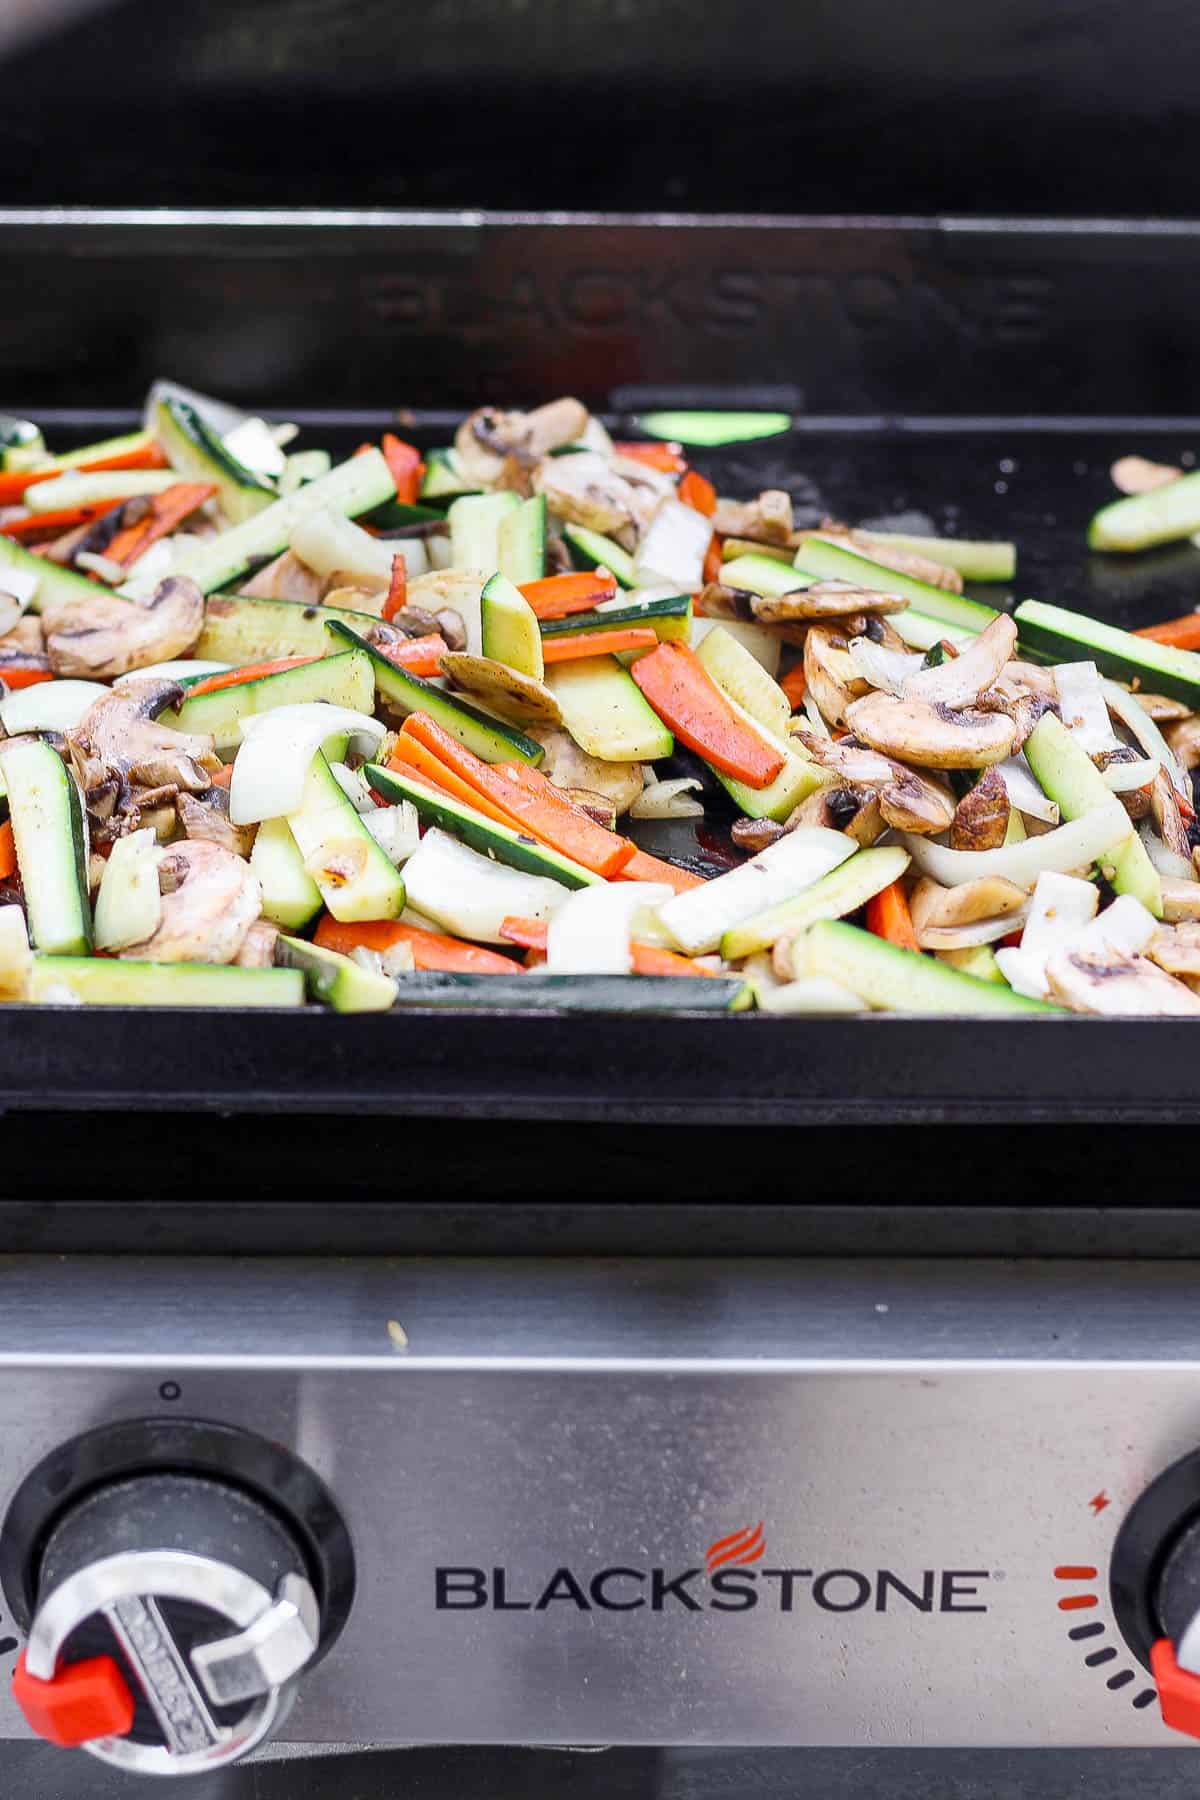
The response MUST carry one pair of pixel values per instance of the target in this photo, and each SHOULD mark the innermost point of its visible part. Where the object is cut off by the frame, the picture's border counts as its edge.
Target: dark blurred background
(1080, 107)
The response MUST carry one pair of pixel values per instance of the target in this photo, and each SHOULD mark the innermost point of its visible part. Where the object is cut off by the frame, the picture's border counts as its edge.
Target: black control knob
(172, 1603)
(1155, 1583)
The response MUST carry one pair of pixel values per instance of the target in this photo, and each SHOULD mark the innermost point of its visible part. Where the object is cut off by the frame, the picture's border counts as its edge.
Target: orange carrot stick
(531, 934)
(431, 950)
(405, 466)
(667, 457)
(712, 560)
(14, 483)
(168, 511)
(1183, 633)
(644, 867)
(557, 596)
(223, 776)
(410, 754)
(23, 678)
(248, 672)
(420, 656)
(598, 643)
(795, 687)
(686, 698)
(888, 917)
(698, 492)
(538, 807)
(397, 594)
(50, 524)
(8, 851)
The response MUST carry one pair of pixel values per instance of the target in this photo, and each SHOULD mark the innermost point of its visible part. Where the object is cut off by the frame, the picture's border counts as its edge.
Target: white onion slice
(468, 894)
(1068, 847)
(698, 919)
(331, 544)
(1133, 715)
(1023, 791)
(589, 934)
(397, 831)
(353, 784)
(49, 706)
(668, 800)
(1062, 907)
(20, 584)
(1165, 860)
(764, 645)
(1126, 926)
(1124, 777)
(129, 904)
(883, 668)
(815, 718)
(969, 937)
(811, 994)
(674, 547)
(272, 765)
(1081, 703)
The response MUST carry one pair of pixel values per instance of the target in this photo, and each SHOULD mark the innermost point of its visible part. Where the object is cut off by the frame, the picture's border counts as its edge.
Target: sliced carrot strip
(667, 457)
(532, 934)
(537, 807)
(405, 465)
(795, 686)
(598, 643)
(8, 851)
(411, 754)
(223, 776)
(23, 678)
(249, 672)
(712, 560)
(686, 698)
(431, 950)
(644, 867)
(888, 917)
(50, 524)
(397, 594)
(14, 483)
(168, 511)
(1183, 633)
(557, 596)
(698, 492)
(420, 656)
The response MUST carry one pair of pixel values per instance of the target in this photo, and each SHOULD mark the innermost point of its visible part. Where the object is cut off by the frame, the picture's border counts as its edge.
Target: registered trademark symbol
(997, 1574)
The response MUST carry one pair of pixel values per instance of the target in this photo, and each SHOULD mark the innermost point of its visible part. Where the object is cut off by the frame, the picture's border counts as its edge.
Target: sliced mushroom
(981, 817)
(287, 578)
(1024, 710)
(932, 736)
(908, 801)
(569, 767)
(586, 490)
(595, 805)
(1176, 948)
(830, 674)
(1019, 677)
(823, 600)
(512, 695)
(1160, 707)
(258, 946)
(1181, 899)
(960, 681)
(1117, 986)
(766, 520)
(208, 819)
(1164, 807)
(27, 637)
(487, 437)
(976, 912)
(210, 901)
(755, 835)
(1136, 801)
(120, 739)
(103, 636)
(1183, 739)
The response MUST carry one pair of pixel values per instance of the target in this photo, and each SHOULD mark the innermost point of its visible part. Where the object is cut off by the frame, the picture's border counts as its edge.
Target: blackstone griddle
(592, 1381)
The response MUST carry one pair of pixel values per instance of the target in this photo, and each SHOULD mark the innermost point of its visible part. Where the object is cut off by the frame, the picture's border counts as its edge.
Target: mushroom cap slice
(1176, 948)
(1117, 986)
(210, 901)
(823, 600)
(908, 801)
(981, 817)
(586, 490)
(120, 736)
(830, 674)
(512, 695)
(107, 636)
(961, 679)
(933, 737)
(975, 912)
(569, 767)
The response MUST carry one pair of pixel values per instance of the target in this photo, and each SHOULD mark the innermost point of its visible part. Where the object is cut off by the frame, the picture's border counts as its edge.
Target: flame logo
(745, 1546)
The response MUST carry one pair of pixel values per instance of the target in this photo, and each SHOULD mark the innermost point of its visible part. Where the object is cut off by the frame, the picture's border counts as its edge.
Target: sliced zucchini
(605, 712)
(592, 550)
(669, 619)
(443, 479)
(1068, 776)
(353, 487)
(482, 834)
(895, 980)
(22, 446)
(55, 585)
(290, 896)
(488, 737)
(764, 645)
(475, 529)
(106, 981)
(131, 444)
(842, 891)
(1142, 520)
(798, 778)
(336, 980)
(978, 960)
(742, 677)
(76, 487)
(194, 449)
(763, 575)
(356, 879)
(711, 429)
(574, 993)
(51, 846)
(509, 627)
(1053, 634)
(975, 559)
(831, 563)
(345, 680)
(239, 630)
(522, 541)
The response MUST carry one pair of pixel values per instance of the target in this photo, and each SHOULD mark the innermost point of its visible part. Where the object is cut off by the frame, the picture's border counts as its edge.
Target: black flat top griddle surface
(1038, 487)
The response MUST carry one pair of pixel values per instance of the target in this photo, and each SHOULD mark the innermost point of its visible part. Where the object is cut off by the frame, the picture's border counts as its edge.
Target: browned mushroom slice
(1160, 707)
(1181, 898)
(1176, 948)
(105, 636)
(587, 490)
(891, 556)
(767, 520)
(981, 817)
(1164, 806)
(210, 901)
(1116, 985)
(961, 680)
(502, 689)
(208, 819)
(569, 767)
(258, 946)
(287, 578)
(933, 737)
(823, 600)
(754, 835)
(908, 801)
(957, 918)
(830, 674)
(1183, 739)
(120, 736)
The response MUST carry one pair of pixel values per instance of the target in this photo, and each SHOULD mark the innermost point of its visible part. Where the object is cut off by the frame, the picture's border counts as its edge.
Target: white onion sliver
(668, 800)
(1133, 715)
(1124, 777)
(811, 994)
(698, 919)
(1126, 926)
(589, 934)
(470, 895)
(354, 785)
(674, 547)
(1023, 790)
(49, 706)
(396, 829)
(1165, 860)
(969, 937)
(272, 765)
(1068, 847)
(883, 668)
(1081, 703)
(814, 717)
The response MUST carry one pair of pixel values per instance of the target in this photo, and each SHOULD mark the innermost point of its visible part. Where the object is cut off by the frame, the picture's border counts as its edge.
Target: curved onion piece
(272, 764)
(589, 933)
(1072, 846)
(1081, 703)
(1133, 715)
(1124, 777)
(1024, 792)
(668, 800)
(810, 994)
(49, 706)
(1165, 860)
(883, 668)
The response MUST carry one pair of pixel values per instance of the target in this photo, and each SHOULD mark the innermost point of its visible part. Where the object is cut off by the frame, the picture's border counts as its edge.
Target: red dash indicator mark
(1072, 1572)
(1099, 1501)
(1077, 1602)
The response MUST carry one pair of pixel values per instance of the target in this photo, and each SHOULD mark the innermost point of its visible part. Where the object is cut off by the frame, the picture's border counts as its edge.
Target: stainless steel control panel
(669, 1503)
